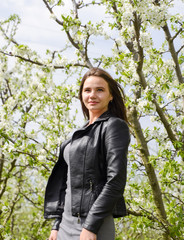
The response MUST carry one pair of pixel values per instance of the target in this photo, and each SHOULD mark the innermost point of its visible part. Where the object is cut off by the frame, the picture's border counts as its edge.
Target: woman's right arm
(53, 235)
(116, 142)
(55, 229)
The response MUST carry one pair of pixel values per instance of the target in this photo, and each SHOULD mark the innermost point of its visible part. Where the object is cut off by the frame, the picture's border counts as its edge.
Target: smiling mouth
(93, 102)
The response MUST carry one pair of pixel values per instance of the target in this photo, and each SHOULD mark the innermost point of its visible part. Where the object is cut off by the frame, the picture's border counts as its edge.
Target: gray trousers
(106, 232)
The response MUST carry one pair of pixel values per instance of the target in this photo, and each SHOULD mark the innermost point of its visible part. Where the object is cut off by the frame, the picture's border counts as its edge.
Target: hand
(87, 235)
(53, 235)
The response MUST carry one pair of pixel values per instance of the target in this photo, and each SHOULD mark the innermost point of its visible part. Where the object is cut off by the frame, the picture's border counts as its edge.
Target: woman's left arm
(117, 139)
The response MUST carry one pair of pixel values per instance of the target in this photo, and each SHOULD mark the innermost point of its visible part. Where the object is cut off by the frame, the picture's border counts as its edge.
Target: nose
(92, 94)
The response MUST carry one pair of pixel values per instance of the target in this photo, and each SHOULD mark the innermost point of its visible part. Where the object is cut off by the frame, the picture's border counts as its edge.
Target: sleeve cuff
(56, 224)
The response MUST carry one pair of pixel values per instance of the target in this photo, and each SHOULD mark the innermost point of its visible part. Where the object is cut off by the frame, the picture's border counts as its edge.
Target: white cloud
(36, 28)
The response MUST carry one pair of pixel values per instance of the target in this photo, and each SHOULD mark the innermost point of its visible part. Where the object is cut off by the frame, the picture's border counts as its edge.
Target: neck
(94, 116)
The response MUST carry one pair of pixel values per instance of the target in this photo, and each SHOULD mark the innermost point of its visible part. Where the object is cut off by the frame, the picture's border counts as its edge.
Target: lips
(93, 102)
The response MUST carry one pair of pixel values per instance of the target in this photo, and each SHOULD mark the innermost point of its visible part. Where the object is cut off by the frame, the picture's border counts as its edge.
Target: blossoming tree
(35, 112)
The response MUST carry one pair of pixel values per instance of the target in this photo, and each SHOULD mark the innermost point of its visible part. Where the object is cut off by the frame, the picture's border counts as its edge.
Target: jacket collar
(106, 115)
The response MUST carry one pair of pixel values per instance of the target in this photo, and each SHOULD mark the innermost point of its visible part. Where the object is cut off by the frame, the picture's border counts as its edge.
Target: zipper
(78, 217)
(91, 188)
(91, 185)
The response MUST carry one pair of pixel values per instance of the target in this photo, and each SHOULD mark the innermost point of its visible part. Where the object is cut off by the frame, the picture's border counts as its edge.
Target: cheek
(84, 97)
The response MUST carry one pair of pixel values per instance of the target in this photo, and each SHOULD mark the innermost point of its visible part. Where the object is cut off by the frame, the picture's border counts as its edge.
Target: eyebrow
(95, 87)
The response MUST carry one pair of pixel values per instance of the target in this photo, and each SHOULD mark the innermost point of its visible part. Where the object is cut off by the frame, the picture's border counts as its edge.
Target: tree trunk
(144, 152)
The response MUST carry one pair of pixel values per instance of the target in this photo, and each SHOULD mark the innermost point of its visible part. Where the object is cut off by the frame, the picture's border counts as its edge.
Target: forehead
(94, 81)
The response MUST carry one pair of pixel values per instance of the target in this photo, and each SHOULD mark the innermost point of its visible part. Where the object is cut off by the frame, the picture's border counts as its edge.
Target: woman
(85, 190)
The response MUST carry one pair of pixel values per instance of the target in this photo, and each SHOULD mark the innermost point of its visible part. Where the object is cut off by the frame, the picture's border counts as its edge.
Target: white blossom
(41, 157)
(153, 118)
(145, 40)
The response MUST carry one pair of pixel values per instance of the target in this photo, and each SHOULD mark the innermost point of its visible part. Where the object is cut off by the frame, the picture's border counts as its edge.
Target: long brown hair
(116, 106)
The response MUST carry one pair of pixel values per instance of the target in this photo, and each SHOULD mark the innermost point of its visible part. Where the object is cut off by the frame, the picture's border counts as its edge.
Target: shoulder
(117, 132)
(115, 122)
(116, 128)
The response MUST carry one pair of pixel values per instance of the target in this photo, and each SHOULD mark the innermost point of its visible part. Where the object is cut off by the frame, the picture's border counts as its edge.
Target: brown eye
(86, 90)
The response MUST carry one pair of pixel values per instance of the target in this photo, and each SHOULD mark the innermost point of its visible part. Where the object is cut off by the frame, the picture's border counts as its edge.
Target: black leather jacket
(98, 160)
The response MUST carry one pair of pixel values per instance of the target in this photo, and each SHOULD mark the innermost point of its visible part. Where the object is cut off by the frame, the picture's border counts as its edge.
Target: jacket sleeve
(117, 139)
(55, 190)
(56, 224)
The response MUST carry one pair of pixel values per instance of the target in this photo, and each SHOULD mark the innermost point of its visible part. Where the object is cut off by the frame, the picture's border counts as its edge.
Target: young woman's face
(96, 95)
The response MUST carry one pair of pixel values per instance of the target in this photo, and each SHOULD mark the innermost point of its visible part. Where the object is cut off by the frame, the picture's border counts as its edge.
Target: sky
(37, 29)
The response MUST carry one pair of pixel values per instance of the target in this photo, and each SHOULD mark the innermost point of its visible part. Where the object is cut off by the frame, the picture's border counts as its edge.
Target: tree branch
(170, 194)
(15, 200)
(44, 65)
(141, 214)
(75, 7)
(51, 11)
(180, 49)
(172, 101)
(175, 36)
(7, 178)
(81, 4)
(173, 53)
(1, 164)
(71, 39)
(6, 37)
(143, 83)
(35, 204)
